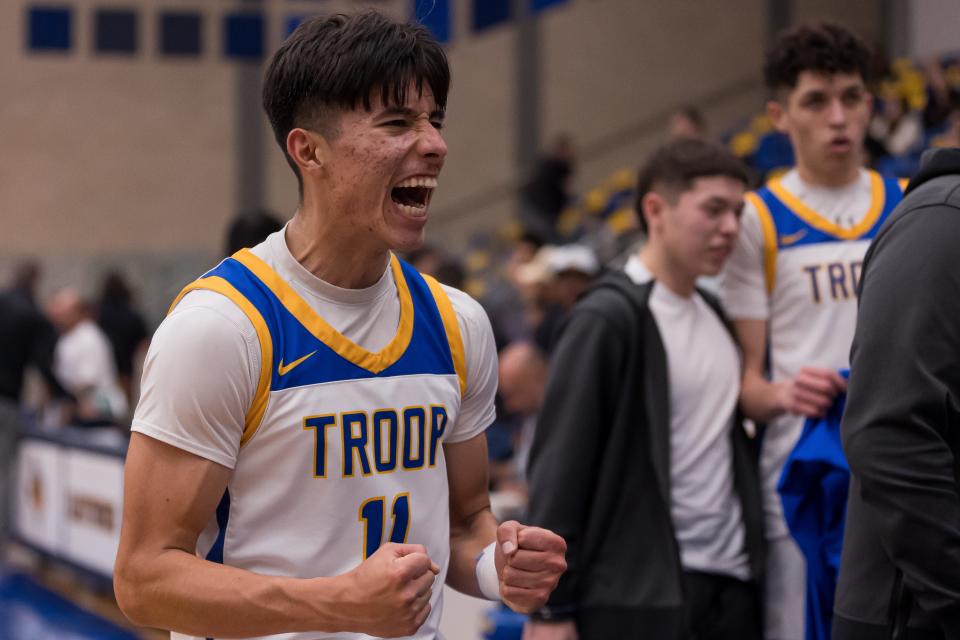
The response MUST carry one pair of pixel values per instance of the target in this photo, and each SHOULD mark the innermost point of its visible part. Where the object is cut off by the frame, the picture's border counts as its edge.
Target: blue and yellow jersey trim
(298, 307)
(259, 404)
(769, 231)
(299, 348)
(788, 223)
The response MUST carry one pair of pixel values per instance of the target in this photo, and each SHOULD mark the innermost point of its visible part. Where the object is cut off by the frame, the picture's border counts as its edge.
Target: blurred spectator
(427, 259)
(939, 96)
(573, 267)
(687, 122)
(950, 137)
(552, 283)
(123, 326)
(83, 360)
(547, 194)
(250, 228)
(505, 302)
(451, 273)
(26, 278)
(523, 378)
(897, 127)
(431, 261)
(27, 336)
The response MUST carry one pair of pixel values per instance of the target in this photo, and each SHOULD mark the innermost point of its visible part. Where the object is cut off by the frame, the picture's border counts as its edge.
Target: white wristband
(487, 578)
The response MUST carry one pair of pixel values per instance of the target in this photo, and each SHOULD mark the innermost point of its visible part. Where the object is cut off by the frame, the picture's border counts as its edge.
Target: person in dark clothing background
(640, 460)
(900, 568)
(547, 194)
(123, 325)
(249, 228)
(26, 335)
(26, 338)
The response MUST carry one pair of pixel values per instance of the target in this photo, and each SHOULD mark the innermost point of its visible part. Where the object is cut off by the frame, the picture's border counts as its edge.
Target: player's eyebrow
(720, 201)
(407, 112)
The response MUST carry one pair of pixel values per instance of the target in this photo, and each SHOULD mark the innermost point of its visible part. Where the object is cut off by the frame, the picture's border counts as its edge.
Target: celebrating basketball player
(308, 455)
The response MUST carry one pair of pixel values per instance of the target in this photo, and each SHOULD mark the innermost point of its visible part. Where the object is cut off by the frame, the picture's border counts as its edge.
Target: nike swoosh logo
(283, 369)
(792, 238)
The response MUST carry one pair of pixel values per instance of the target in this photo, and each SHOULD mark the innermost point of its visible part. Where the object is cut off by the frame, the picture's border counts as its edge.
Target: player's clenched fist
(529, 561)
(811, 392)
(389, 593)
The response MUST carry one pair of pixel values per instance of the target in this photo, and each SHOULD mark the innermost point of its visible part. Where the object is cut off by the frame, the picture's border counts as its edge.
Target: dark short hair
(692, 114)
(822, 47)
(250, 228)
(672, 169)
(340, 62)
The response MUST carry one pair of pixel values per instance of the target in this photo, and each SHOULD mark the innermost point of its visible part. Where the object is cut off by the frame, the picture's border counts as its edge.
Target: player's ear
(652, 207)
(775, 112)
(308, 149)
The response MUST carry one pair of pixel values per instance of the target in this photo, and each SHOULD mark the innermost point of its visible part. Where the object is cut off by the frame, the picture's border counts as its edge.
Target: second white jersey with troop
(339, 448)
(797, 265)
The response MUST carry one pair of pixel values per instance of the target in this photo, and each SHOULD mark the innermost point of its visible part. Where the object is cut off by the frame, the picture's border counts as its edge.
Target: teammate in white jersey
(308, 454)
(791, 283)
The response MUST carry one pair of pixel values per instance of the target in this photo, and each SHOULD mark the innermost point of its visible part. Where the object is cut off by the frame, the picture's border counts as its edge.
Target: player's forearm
(467, 540)
(759, 398)
(176, 590)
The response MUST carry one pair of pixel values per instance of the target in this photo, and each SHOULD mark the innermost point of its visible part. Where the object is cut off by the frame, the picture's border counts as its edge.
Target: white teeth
(411, 210)
(430, 183)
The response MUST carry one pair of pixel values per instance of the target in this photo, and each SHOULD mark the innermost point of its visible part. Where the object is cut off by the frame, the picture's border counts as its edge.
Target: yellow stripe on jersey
(372, 362)
(452, 329)
(903, 182)
(769, 240)
(817, 221)
(259, 405)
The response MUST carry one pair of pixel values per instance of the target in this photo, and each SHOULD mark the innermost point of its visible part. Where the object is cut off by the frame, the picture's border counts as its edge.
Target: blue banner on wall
(435, 16)
(49, 28)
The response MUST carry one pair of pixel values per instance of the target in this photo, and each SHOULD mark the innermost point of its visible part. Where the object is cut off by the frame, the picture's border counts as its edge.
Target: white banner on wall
(38, 501)
(93, 501)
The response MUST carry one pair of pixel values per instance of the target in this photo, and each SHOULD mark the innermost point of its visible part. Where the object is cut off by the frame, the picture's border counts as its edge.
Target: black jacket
(26, 337)
(900, 571)
(599, 468)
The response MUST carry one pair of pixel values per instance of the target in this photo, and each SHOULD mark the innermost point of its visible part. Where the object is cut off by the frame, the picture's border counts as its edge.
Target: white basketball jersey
(812, 270)
(342, 448)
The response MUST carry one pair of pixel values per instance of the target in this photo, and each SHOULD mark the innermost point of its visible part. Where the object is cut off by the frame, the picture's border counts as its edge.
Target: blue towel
(813, 489)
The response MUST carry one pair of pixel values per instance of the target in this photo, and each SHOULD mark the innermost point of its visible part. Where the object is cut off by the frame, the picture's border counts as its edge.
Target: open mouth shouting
(412, 196)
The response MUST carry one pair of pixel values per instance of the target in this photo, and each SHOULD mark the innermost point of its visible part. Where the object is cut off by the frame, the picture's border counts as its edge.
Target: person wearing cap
(561, 274)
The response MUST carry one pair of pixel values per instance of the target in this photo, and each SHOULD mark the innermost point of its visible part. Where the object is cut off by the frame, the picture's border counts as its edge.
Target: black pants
(721, 608)
(716, 608)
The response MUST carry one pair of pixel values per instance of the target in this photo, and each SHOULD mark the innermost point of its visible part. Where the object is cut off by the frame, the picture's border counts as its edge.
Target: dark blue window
(539, 5)
(435, 16)
(490, 13)
(181, 33)
(243, 35)
(49, 28)
(291, 23)
(115, 31)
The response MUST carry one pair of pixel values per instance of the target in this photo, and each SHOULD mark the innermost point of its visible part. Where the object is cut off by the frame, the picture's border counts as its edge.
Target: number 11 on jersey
(373, 514)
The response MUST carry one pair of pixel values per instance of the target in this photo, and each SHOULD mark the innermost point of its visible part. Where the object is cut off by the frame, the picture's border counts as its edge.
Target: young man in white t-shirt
(308, 454)
(791, 284)
(640, 460)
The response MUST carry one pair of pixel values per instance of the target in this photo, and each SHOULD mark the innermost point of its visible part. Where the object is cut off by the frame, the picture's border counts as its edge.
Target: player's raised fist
(388, 595)
(529, 561)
